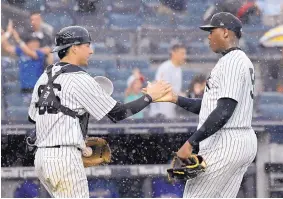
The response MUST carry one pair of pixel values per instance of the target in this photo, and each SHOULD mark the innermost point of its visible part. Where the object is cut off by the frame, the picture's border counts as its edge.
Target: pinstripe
(64, 165)
(230, 150)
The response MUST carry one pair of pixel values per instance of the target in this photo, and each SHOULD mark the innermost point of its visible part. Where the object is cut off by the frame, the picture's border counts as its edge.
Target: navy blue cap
(224, 20)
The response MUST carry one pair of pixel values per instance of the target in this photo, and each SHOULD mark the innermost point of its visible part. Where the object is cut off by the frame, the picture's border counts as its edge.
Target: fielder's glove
(101, 152)
(184, 169)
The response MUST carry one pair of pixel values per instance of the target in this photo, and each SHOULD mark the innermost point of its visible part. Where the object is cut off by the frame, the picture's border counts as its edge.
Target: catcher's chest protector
(50, 102)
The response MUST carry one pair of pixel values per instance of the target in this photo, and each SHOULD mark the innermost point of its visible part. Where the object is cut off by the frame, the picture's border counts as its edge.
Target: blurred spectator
(243, 9)
(31, 57)
(28, 189)
(272, 11)
(18, 3)
(196, 87)
(175, 5)
(44, 32)
(41, 29)
(87, 5)
(171, 72)
(133, 91)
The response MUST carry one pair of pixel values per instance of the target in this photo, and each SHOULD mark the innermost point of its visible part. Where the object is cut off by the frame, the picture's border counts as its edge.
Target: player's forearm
(190, 104)
(215, 121)
(123, 111)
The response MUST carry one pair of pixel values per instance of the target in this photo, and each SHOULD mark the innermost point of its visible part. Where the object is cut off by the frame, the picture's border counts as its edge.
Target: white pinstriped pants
(61, 171)
(228, 153)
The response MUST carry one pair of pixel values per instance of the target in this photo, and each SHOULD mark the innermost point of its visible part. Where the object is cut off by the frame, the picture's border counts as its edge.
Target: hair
(35, 13)
(62, 53)
(198, 79)
(177, 46)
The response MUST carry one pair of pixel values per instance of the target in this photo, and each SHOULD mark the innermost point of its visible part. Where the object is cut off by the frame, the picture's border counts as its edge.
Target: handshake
(160, 91)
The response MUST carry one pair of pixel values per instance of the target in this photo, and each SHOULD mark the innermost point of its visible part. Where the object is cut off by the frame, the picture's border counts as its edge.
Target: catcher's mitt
(101, 152)
(184, 169)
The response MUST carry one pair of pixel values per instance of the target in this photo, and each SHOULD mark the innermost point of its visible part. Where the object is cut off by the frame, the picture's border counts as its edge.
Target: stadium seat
(118, 74)
(188, 75)
(7, 63)
(126, 6)
(101, 48)
(149, 74)
(96, 71)
(271, 112)
(35, 5)
(59, 18)
(151, 3)
(120, 85)
(17, 99)
(11, 87)
(10, 74)
(118, 96)
(159, 21)
(17, 113)
(124, 21)
(134, 63)
(266, 98)
(103, 63)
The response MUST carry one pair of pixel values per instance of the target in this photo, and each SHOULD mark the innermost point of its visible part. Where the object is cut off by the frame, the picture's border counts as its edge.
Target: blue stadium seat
(118, 74)
(103, 63)
(265, 98)
(10, 74)
(11, 87)
(19, 113)
(96, 71)
(149, 74)
(120, 86)
(7, 63)
(59, 18)
(101, 48)
(118, 96)
(17, 99)
(159, 21)
(35, 5)
(124, 21)
(271, 112)
(134, 63)
(188, 75)
(126, 6)
(151, 3)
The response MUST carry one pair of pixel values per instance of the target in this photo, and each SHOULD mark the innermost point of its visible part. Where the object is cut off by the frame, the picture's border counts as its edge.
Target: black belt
(58, 146)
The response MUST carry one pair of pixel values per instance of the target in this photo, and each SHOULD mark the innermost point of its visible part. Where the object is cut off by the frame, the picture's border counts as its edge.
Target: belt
(58, 146)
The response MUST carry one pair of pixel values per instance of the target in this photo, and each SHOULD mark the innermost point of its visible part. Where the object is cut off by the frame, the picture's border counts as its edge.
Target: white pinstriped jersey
(79, 92)
(232, 77)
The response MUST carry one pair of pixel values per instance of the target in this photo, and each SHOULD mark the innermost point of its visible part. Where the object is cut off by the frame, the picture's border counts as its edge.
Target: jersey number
(49, 109)
(253, 82)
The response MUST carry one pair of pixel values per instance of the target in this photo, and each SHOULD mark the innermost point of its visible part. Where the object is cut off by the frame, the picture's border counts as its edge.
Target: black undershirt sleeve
(215, 121)
(190, 104)
(122, 111)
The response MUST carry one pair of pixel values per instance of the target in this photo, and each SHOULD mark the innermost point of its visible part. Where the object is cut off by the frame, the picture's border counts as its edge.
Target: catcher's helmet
(71, 35)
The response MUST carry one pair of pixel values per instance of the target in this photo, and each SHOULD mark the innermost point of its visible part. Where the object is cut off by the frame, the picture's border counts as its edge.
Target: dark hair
(198, 79)
(177, 46)
(35, 13)
(62, 53)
